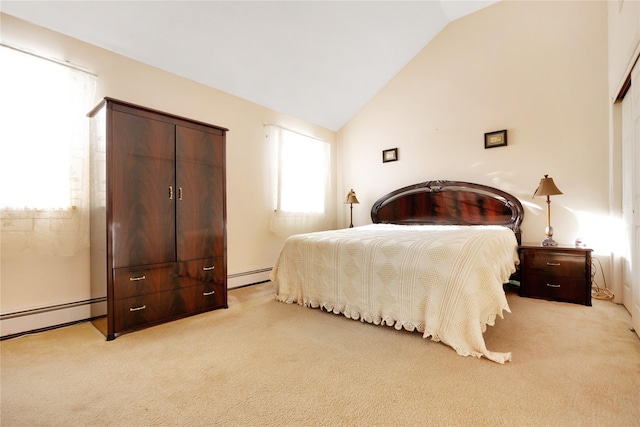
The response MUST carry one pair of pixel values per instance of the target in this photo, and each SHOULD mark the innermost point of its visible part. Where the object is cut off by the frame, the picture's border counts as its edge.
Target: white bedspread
(444, 281)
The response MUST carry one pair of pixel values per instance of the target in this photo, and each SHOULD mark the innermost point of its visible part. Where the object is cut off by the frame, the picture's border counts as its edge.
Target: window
(43, 131)
(300, 181)
(44, 153)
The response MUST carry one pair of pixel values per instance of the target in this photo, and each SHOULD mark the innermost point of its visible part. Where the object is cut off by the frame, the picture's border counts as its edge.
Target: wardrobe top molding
(152, 112)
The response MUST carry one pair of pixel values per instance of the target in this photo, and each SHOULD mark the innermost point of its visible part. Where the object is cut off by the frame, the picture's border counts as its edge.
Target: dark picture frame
(390, 155)
(495, 139)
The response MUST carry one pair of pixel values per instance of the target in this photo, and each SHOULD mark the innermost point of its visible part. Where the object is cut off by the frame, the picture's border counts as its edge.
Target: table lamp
(351, 199)
(547, 188)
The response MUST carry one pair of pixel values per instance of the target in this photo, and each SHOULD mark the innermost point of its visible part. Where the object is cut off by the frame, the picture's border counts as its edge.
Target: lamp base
(548, 242)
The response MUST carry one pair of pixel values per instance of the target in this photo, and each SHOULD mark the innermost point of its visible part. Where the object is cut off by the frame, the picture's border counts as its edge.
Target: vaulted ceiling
(320, 61)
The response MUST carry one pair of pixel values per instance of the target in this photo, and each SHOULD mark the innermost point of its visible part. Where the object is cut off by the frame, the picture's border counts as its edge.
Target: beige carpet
(266, 363)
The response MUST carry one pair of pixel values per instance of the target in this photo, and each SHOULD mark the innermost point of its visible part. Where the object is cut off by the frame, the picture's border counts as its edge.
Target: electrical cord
(596, 291)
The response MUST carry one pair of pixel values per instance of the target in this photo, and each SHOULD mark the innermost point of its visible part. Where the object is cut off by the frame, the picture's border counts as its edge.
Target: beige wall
(537, 69)
(250, 243)
(624, 41)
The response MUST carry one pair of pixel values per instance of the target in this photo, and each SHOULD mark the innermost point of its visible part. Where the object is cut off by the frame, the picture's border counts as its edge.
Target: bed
(434, 260)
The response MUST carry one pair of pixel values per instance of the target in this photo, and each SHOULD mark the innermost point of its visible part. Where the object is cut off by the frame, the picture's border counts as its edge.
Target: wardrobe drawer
(201, 271)
(133, 281)
(136, 311)
(153, 308)
(210, 296)
(168, 305)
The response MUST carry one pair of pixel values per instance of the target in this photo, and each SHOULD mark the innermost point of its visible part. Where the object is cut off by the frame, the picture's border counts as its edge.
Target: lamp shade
(351, 197)
(546, 188)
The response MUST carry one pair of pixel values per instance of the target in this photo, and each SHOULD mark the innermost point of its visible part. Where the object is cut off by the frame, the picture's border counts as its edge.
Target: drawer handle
(135, 279)
(553, 264)
(206, 294)
(209, 268)
(142, 307)
(552, 286)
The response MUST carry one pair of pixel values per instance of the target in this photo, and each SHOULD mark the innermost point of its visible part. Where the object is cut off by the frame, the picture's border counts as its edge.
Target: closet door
(200, 208)
(635, 92)
(631, 199)
(143, 191)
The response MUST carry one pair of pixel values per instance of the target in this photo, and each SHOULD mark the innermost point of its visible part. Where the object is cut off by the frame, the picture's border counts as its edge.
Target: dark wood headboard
(449, 203)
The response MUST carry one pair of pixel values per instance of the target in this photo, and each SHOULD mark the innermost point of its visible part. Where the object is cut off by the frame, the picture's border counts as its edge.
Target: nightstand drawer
(554, 264)
(556, 288)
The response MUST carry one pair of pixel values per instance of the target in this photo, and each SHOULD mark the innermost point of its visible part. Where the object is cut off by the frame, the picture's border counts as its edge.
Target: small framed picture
(390, 155)
(495, 139)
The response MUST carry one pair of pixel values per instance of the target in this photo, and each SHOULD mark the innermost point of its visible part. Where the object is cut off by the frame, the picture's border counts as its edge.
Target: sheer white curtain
(300, 182)
(44, 153)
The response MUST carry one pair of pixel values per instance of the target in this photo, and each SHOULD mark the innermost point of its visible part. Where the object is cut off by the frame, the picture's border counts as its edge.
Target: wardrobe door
(200, 208)
(143, 191)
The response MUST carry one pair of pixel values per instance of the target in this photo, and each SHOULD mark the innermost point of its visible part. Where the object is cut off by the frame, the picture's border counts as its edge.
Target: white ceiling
(316, 60)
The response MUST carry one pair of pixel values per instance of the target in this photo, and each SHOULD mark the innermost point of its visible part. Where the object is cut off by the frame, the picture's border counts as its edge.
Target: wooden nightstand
(558, 273)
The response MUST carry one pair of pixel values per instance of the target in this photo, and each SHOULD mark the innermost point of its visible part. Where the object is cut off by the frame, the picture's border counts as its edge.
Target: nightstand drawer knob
(552, 286)
(553, 264)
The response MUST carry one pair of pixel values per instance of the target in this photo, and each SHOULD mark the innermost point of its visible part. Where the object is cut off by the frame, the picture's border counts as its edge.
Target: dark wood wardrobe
(158, 217)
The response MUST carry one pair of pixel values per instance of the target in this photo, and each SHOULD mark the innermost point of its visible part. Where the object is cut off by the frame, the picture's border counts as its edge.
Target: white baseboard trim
(248, 278)
(43, 318)
(28, 321)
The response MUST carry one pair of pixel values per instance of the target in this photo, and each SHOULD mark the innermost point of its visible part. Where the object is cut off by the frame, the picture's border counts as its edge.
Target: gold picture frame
(495, 139)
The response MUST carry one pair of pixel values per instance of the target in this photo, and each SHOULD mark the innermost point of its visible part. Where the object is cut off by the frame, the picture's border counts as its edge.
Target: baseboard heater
(247, 278)
(45, 318)
(54, 316)
(40, 310)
